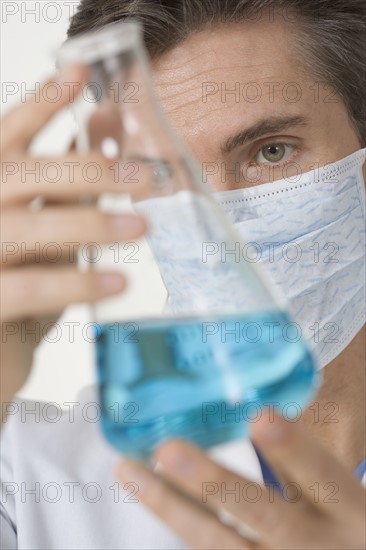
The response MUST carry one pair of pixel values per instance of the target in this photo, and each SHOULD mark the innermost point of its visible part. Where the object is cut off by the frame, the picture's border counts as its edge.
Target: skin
(307, 521)
(241, 55)
(34, 290)
(298, 452)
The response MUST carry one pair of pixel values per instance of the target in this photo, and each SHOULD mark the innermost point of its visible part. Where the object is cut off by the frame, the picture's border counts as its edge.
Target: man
(306, 108)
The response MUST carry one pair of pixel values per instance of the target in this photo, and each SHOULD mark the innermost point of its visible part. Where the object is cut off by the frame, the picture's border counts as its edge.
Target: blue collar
(270, 479)
(361, 469)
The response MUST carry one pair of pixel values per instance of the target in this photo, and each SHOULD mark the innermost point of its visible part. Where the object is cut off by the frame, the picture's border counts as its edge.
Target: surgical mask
(308, 235)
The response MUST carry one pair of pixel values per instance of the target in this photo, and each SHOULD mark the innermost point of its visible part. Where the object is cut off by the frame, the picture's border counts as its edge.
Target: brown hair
(330, 34)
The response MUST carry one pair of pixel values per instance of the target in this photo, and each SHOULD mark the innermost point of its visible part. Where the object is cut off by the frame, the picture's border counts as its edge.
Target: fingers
(25, 233)
(296, 456)
(193, 472)
(174, 498)
(196, 526)
(22, 124)
(66, 180)
(35, 291)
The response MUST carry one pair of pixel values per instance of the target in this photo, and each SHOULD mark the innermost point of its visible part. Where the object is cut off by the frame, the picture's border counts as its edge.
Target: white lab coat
(59, 489)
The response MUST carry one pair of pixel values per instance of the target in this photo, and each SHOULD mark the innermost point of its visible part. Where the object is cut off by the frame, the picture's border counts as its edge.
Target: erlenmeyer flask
(202, 366)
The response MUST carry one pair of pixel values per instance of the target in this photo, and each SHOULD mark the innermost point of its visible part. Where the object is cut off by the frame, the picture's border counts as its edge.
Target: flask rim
(100, 43)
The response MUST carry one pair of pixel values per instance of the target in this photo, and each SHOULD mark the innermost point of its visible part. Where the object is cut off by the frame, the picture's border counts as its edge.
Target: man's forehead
(217, 71)
(226, 49)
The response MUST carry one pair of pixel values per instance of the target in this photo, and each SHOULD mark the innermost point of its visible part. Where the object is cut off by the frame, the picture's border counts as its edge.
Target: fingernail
(129, 472)
(121, 224)
(110, 282)
(172, 457)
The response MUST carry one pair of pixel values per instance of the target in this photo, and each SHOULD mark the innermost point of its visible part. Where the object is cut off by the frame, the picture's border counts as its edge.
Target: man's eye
(273, 153)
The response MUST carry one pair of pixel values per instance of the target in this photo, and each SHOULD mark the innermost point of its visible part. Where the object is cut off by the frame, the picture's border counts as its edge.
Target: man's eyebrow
(271, 125)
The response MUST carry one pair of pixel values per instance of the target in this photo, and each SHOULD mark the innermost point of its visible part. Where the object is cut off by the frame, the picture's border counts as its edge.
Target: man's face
(248, 109)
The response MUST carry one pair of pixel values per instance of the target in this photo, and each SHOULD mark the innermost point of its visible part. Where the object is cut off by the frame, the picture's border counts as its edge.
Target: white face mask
(307, 234)
(309, 237)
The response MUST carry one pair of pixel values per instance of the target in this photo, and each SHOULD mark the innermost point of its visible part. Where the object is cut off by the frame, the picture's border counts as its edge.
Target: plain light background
(32, 32)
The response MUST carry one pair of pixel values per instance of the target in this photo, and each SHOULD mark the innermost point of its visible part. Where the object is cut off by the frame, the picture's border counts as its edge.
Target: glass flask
(201, 365)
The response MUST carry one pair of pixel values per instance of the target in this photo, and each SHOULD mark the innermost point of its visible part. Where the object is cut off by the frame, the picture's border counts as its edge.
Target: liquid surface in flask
(205, 380)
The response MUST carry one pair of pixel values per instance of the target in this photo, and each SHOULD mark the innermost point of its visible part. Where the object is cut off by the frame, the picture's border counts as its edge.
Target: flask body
(203, 365)
(202, 379)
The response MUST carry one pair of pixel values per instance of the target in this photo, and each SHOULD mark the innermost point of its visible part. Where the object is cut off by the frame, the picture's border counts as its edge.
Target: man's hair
(330, 35)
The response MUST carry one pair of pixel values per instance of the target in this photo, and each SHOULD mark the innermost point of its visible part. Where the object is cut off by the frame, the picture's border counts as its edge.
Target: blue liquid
(201, 380)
